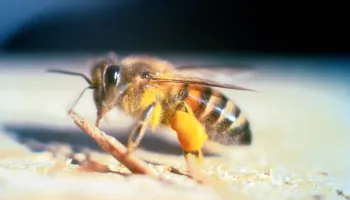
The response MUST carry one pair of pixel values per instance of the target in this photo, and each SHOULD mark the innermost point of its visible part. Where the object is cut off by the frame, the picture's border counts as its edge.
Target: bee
(156, 93)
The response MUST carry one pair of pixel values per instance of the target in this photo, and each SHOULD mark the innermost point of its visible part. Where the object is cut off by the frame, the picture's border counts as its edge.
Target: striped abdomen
(224, 121)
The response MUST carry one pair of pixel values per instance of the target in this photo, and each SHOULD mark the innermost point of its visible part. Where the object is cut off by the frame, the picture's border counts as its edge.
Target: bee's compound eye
(112, 75)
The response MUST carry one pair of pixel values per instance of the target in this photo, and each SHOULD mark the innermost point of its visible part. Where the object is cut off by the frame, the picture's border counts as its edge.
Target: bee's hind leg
(191, 135)
(196, 156)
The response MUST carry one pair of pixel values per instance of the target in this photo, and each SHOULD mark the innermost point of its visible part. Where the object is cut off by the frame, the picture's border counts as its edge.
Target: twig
(113, 146)
(171, 169)
(135, 165)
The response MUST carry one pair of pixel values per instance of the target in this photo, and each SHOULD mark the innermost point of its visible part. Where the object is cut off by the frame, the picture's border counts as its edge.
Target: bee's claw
(194, 159)
(128, 152)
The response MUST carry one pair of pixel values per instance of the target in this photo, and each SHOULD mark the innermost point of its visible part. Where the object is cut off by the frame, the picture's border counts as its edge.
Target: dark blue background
(287, 27)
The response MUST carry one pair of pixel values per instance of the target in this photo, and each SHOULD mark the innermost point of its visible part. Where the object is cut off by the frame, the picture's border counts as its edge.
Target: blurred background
(252, 27)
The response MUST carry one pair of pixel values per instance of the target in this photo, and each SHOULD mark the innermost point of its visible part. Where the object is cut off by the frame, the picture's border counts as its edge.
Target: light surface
(300, 124)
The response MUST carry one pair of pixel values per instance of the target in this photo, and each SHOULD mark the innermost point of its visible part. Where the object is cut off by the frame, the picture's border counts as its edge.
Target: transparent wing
(211, 71)
(197, 81)
(193, 79)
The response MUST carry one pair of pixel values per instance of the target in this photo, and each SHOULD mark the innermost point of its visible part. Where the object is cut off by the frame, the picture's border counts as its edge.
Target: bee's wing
(208, 70)
(194, 81)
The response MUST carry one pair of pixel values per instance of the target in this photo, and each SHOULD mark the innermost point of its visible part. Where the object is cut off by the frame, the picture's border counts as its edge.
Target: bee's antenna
(75, 74)
(76, 101)
(71, 73)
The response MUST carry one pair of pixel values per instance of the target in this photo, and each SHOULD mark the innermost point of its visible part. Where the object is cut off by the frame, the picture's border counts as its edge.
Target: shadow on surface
(37, 138)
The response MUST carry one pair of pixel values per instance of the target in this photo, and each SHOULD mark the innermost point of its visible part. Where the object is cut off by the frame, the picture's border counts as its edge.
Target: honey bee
(156, 93)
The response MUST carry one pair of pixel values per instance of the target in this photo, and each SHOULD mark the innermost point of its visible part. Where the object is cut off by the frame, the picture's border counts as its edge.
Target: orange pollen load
(190, 132)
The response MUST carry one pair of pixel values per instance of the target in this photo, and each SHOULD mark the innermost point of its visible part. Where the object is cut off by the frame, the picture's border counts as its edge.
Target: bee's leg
(198, 155)
(136, 135)
(191, 134)
(151, 116)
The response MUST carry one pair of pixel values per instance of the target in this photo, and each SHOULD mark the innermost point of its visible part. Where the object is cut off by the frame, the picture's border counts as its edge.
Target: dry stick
(135, 165)
(113, 146)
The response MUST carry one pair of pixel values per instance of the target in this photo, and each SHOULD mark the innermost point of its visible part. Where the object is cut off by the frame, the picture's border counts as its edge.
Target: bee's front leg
(191, 135)
(149, 115)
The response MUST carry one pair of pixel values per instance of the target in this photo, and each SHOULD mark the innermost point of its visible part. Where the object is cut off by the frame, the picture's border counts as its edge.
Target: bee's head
(106, 78)
(105, 82)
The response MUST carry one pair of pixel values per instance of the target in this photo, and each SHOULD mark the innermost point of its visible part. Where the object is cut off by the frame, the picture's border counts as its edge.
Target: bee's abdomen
(223, 119)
